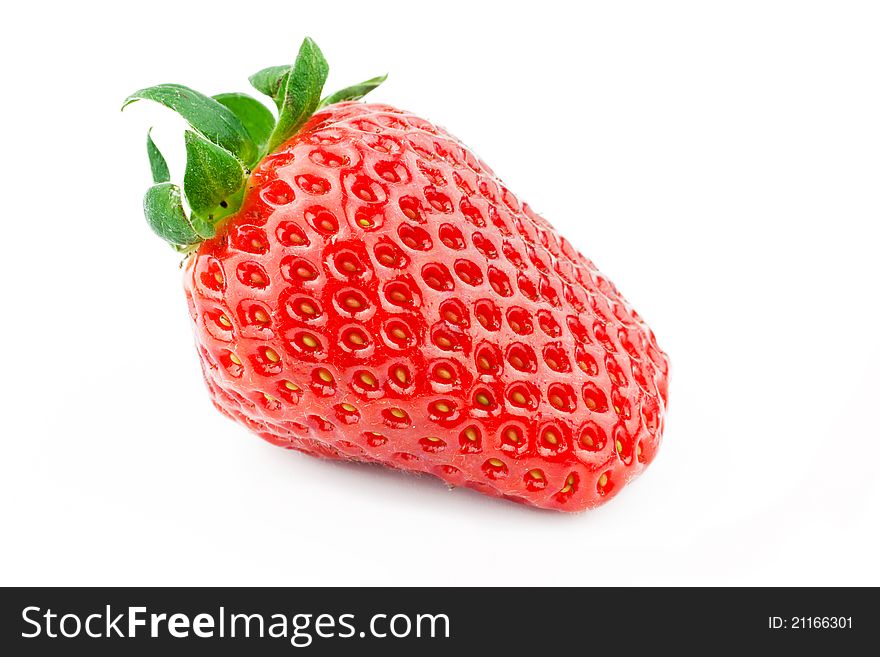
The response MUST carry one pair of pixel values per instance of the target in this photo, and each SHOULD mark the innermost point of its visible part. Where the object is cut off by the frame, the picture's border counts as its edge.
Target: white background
(719, 161)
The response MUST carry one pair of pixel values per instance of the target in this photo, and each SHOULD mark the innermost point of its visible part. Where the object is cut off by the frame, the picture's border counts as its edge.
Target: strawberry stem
(228, 137)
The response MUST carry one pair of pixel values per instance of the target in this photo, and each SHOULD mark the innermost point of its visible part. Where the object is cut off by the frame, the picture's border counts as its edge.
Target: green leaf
(164, 212)
(354, 92)
(212, 178)
(271, 81)
(302, 93)
(203, 227)
(254, 116)
(157, 163)
(207, 116)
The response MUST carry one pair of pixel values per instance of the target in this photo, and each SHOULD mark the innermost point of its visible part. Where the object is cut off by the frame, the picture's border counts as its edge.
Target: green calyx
(228, 135)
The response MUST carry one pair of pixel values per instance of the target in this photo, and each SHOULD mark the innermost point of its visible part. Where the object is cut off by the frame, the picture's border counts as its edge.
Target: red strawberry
(363, 287)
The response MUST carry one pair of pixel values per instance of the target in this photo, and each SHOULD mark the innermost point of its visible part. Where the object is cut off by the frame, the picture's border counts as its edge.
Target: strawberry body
(381, 296)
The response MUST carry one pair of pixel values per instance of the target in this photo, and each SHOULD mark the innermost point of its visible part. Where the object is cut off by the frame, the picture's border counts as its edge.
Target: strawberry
(363, 287)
